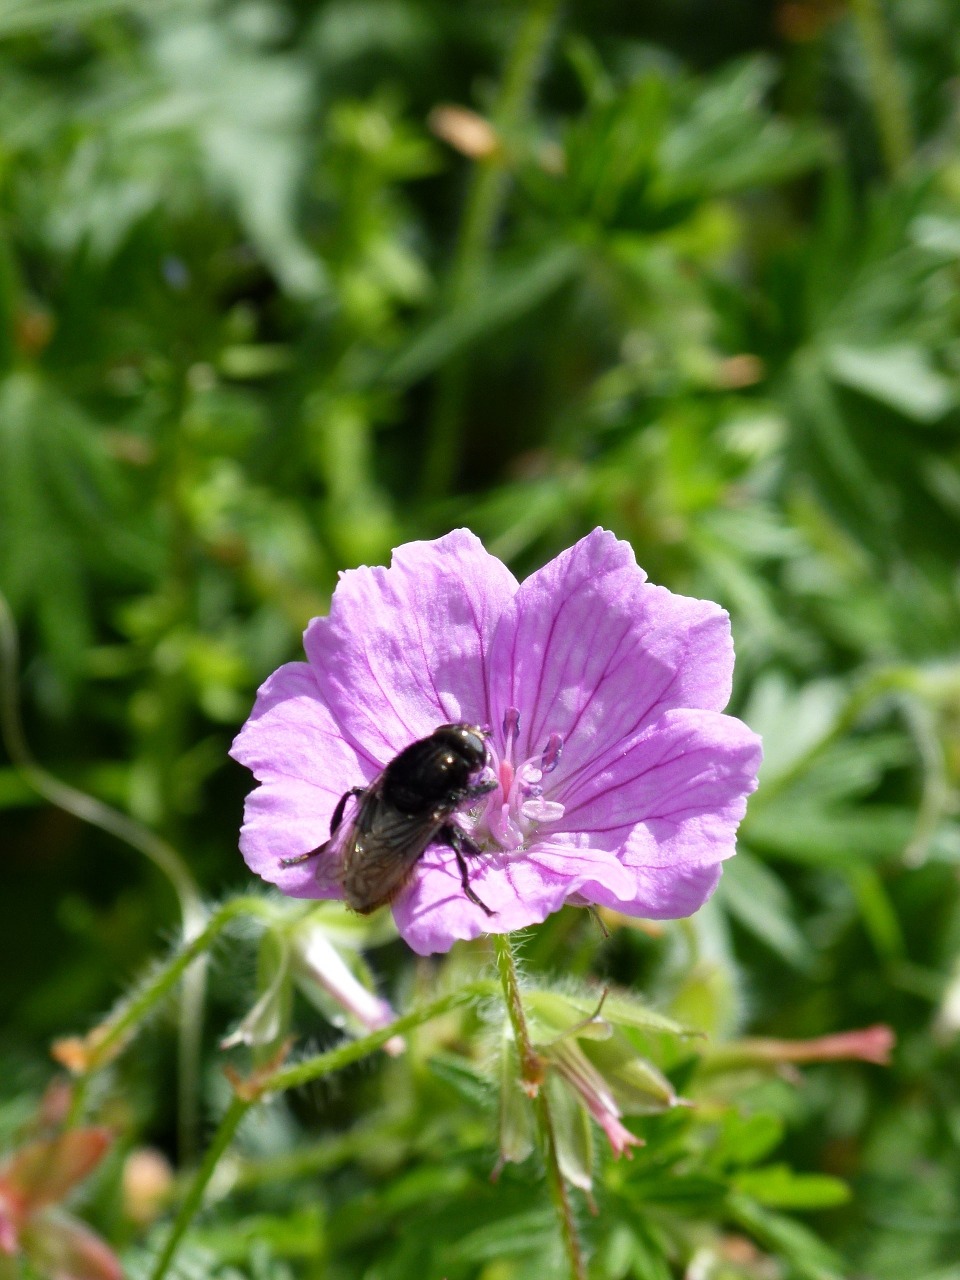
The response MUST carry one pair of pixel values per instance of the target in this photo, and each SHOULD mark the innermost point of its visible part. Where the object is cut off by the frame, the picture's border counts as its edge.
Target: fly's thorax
(429, 773)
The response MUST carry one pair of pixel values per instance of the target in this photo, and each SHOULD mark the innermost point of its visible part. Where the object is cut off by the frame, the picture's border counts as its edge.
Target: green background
(262, 320)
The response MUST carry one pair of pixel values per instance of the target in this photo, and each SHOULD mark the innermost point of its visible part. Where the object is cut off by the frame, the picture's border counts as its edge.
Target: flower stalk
(164, 857)
(532, 1072)
(247, 1093)
(531, 1065)
(86, 1056)
(889, 100)
(192, 1201)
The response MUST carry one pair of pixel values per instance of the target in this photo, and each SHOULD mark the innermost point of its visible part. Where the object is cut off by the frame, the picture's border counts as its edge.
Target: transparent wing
(328, 870)
(381, 849)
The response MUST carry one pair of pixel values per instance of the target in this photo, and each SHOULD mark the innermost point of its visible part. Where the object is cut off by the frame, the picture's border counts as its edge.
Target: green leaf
(638, 1086)
(837, 838)
(508, 295)
(572, 1131)
(901, 376)
(19, 17)
(517, 1122)
(62, 499)
(726, 141)
(628, 1011)
(756, 897)
(248, 113)
(778, 1187)
(792, 721)
(812, 1259)
(685, 1191)
(744, 1139)
(462, 1078)
(516, 1234)
(296, 1233)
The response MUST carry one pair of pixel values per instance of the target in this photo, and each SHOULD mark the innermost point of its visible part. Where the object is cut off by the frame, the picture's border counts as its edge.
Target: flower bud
(324, 977)
(147, 1183)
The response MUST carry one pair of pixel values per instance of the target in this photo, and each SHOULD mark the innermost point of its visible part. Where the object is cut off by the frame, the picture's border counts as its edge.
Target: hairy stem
(291, 1077)
(81, 805)
(558, 1191)
(531, 1071)
(889, 100)
(343, 1055)
(194, 1198)
(111, 1034)
(126, 829)
(484, 204)
(531, 1067)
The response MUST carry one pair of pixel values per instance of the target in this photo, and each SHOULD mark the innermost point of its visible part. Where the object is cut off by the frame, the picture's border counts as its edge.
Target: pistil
(518, 807)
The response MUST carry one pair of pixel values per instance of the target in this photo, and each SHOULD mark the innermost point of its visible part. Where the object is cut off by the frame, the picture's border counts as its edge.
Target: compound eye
(475, 745)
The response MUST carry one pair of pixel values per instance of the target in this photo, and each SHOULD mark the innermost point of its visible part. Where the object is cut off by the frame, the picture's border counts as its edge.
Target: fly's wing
(328, 871)
(381, 851)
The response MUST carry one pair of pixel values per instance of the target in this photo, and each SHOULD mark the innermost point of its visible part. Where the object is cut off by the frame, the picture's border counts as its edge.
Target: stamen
(511, 727)
(521, 805)
(551, 757)
(538, 811)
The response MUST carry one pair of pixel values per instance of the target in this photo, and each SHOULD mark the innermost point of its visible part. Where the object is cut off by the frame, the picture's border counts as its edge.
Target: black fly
(406, 808)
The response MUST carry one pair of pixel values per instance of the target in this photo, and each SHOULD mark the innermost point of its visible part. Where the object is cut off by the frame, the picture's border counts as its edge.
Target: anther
(551, 757)
(511, 726)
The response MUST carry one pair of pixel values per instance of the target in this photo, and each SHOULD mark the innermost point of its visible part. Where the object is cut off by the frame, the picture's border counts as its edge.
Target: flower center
(519, 804)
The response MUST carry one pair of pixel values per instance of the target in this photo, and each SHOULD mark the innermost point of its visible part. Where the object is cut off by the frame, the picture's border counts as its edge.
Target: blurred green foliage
(261, 319)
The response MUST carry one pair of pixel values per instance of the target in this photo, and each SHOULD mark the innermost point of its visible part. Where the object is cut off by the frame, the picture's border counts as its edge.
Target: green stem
(350, 1051)
(87, 808)
(558, 1191)
(81, 805)
(889, 100)
(194, 1198)
(484, 204)
(292, 1077)
(160, 983)
(190, 1020)
(531, 1069)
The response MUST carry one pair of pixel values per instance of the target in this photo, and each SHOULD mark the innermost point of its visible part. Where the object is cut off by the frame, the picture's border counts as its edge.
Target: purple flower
(619, 781)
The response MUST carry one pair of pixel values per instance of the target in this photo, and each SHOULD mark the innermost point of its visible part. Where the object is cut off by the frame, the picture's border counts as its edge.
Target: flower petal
(673, 803)
(43, 1172)
(323, 974)
(663, 893)
(282, 819)
(432, 912)
(64, 1249)
(689, 762)
(9, 1236)
(589, 650)
(404, 648)
(293, 746)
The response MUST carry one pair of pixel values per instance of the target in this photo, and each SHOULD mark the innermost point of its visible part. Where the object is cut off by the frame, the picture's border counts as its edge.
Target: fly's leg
(479, 790)
(461, 843)
(341, 805)
(469, 794)
(298, 858)
(334, 826)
